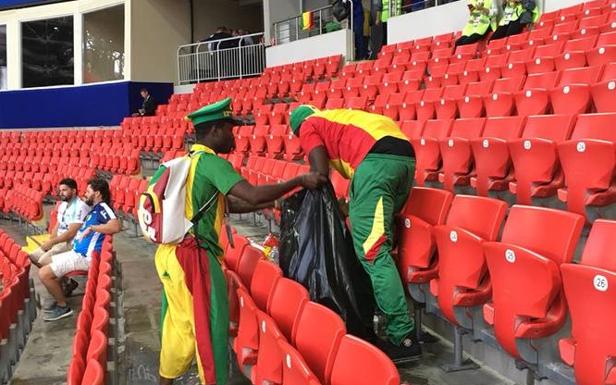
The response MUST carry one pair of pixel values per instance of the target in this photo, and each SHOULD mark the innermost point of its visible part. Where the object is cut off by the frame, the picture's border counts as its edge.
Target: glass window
(2, 57)
(47, 47)
(103, 45)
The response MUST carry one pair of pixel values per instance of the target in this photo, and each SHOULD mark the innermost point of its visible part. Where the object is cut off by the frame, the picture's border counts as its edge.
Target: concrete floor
(47, 354)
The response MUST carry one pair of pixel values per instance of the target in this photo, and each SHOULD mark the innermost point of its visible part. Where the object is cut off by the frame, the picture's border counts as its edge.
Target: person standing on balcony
(516, 15)
(482, 18)
(380, 12)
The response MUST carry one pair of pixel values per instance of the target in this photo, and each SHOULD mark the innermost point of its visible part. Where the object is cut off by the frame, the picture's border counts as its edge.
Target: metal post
(297, 29)
(239, 54)
(459, 364)
(198, 69)
(217, 53)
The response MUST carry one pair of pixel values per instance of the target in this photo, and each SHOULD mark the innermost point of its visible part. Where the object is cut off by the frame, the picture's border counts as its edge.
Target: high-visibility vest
(396, 11)
(512, 12)
(478, 22)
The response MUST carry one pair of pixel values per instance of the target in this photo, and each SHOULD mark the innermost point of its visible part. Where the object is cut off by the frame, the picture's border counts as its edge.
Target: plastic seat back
(360, 363)
(425, 208)
(248, 262)
(471, 221)
(528, 301)
(295, 371)
(318, 336)
(286, 304)
(588, 287)
(264, 279)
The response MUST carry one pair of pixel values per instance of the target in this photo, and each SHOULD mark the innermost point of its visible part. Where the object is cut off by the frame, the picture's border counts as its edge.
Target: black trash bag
(316, 250)
(341, 9)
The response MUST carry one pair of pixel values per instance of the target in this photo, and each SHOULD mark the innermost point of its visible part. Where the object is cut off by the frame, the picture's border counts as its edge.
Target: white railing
(229, 58)
(288, 30)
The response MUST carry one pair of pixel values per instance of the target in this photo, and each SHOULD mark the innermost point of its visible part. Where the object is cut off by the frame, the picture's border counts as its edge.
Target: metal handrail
(220, 63)
(296, 20)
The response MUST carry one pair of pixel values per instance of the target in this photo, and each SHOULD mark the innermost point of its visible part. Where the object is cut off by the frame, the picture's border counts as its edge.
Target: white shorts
(64, 263)
(44, 257)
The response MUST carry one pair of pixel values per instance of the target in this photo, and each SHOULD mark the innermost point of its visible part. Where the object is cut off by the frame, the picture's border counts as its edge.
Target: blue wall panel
(91, 105)
(5, 4)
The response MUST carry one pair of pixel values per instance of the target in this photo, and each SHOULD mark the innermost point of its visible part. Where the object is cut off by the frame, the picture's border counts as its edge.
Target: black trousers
(472, 39)
(513, 28)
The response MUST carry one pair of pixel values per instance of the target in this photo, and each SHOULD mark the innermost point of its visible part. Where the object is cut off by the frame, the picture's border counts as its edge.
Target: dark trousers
(513, 28)
(472, 39)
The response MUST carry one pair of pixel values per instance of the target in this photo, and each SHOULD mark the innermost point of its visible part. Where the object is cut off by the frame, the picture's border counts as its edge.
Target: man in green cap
(194, 316)
(372, 152)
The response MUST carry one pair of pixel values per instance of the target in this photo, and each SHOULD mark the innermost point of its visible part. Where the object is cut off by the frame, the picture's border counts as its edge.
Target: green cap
(221, 110)
(300, 114)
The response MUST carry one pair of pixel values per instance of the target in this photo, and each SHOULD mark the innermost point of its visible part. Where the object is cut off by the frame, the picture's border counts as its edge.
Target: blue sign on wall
(6, 4)
(104, 104)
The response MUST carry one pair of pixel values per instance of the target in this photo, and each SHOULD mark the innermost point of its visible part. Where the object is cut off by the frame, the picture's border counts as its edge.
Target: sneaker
(409, 350)
(50, 308)
(69, 287)
(58, 312)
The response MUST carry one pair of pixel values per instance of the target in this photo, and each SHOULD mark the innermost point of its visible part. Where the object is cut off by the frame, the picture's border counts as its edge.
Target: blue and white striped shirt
(93, 241)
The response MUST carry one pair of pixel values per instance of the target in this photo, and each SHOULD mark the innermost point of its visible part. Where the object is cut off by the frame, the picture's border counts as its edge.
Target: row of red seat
(16, 309)
(525, 285)
(25, 202)
(88, 363)
(125, 192)
(47, 180)
(480, 153)
(577, 90)
(275, 141)
(447, 85)
(282, 337)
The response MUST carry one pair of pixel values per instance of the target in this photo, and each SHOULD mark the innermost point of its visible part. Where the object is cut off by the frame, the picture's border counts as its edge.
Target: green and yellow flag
(307, 21)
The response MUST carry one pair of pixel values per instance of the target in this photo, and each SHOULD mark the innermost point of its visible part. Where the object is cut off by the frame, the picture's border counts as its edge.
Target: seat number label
(510, 256)
(600, 283)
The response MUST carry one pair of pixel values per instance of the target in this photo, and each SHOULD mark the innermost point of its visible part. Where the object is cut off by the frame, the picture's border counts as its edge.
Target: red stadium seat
(246, 344)
(427, 153)
(446, 107)
(457, 153)
(287, 302)
(321, 333)
(603, 93)
(295, 371)
(264, 279)
(471, 105)
(535, 159)
(94, 374)
(500, 102)
(268, 369)
(463, 280)
(359, 363)
(573, 94)
(588, 160)
(592, 345)
(533, 99)
(528, 302)
(491, 155)
(248, 262)
(424, 209)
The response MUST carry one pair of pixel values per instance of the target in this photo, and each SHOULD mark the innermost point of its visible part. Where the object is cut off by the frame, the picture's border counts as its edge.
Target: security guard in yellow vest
(516, 15)
(482, 18)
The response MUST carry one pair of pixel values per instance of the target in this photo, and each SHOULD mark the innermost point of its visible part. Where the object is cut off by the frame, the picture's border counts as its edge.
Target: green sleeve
(218, 171)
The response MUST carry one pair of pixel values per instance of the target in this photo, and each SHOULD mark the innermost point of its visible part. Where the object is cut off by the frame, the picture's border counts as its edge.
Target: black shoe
(69, 287)
(409, 350)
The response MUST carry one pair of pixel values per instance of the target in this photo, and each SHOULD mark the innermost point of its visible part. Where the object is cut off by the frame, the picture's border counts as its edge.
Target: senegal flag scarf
(194, 298)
